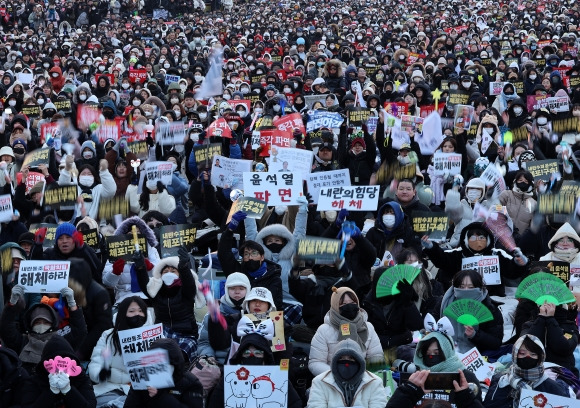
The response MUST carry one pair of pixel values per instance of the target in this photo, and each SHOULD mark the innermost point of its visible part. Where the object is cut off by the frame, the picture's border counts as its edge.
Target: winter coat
(325, 344)
(361, 165)
(326, 393)
(271, 280)
(12, 376)
(497, 397)
(520, 207)
(105, 190)
(178, 189)
(204, 344)
(565, 230)
(409, 395)
(284, 257)
(460, 212)
(162, 202)
(86, 253)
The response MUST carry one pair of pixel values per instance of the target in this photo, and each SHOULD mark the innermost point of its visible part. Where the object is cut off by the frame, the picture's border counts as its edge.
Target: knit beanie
(91, 145)
(238, 279)
(337, 294)
(65, 229)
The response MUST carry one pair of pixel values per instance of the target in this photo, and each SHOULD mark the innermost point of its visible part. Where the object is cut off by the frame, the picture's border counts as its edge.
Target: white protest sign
(323, 119)
(324, 179)
(447, 163)
(281, 188)
(431, 135)
(151, 369)
(170, 133)
(474, 362)
(255, 139)
(310, 100)
(495, 88)
(255, 386)
(493, 178)
(6, 210)
(159, 171)
(229, 173)
(532, 399)
(355, 198)
(487, 266)
(290, 159)
(43, 276)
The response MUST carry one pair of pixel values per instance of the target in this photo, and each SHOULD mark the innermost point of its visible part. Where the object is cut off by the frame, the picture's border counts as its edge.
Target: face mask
(166, 66)
(46, 65)
(330, 216)
(136, 321)
(258, 110)
(253, 361)
(454, 86)
(184, 66)
(136, 102)
(252, 265)
(125, 85)
(40, 101)
(12, 103)
(523, 186)
(389, 220)
(151, 184)
(518, 110)
(197, 78)
(466, 84)
(275, 248)
(287, 90)
(527, 363)
(431, 361)
(83, 97)
(19, 150)
(542, 121)
(101, 68)
(244, 91)
(227, 97)
(473, 195)
(41, 328)
(195, 137)
(276, 108)
(347, 369)
(474, 293)
(174, 100)
(89, 63)
(203, 116)
(533, 77)
(488, 131)
(349, 311)
(168, 278)
(86, 181)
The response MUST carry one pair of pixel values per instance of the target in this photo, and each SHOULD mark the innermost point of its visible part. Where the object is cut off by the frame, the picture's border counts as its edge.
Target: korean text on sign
(282, 188)
(253, 207)
(43, 276)
(160, 171)
(357, 198)
(447, 163)
(175, 236)
(431, 224)
(319, 249)
(487, 266)
(326, 179)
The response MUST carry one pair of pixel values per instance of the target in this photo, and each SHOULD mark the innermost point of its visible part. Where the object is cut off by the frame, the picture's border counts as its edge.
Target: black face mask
(252, 361)
(523, 186)
(19, 151)
(136, 321)
(430, 361)
(275, 247)
(252, 265)
(527, 363)
(108, 114)
(349, 311)
(237, 303)
(347, 369)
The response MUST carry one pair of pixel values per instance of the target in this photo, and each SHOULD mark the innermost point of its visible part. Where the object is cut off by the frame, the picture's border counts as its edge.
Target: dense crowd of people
(470, 115)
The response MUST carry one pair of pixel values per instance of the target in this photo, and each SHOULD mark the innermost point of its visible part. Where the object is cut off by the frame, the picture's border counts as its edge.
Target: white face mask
(151, 184)
(41, 328)
(473, 195)
(518, 110)
(125, 85)
(466, 84)
(166, 66)
(174, 100)
(533, 77)
(83, 97)
(88, 155)
(86, 181)
(203, 116)
(40, 101)
(389, 220)
(287, 90)
(258, 110)
(136, 102)
(453, 86)
(177, 113)
(197, 78)
(12, 103)
(542, 121)
(488, 131)
(169, 277)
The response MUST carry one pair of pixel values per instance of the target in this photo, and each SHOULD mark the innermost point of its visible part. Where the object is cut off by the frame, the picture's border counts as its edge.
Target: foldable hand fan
(387, 284)
(544, 287)
(468, 312)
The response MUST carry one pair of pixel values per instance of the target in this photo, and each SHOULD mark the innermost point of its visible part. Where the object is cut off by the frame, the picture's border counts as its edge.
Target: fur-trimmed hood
(280, 231)
(338, 64)
(488, 119)
(155, 282)
(438, 41)
(399, 52)
(125, 228)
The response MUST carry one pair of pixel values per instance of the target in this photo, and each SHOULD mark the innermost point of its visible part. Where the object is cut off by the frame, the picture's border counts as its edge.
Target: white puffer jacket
(325, 392)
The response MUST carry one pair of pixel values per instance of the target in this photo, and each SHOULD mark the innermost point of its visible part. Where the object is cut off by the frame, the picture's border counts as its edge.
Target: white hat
(317, 81)
(6, 150)
(259, 293)
(238, 279)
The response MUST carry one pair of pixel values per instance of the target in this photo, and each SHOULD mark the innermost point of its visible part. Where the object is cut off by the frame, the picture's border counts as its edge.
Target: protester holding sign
(519, 202)
(357, 152)
(30, 205)
(155, 196)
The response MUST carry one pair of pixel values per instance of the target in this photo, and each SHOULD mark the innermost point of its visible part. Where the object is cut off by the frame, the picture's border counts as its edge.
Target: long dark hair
(121, 321)
(144, 197)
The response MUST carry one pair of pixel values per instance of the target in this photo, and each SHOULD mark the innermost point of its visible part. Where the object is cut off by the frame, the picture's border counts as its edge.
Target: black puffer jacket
(12, 375)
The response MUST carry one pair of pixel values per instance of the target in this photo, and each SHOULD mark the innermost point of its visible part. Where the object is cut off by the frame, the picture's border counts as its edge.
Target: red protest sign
(88, 114)
(137, 75)
(246, 102)
(219, 128)
(33, 178)
(110, 76)
(288, 123)
(48, 130)
(274, 137)
(110, 129)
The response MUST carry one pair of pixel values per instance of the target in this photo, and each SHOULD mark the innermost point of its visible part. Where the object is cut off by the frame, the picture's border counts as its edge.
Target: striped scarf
(520, 379)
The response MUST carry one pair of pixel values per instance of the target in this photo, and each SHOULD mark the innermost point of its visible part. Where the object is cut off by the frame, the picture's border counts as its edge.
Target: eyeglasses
(474, 238)
(255, 353)
(253, 253)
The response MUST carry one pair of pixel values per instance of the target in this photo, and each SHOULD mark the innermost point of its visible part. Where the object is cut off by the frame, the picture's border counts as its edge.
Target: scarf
(261, 271)
(566, 255)
(348, 389)
(32, 351)
(358, 330)
(520, 379)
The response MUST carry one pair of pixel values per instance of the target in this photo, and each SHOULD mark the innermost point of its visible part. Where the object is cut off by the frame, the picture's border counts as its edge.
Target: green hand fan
(544, 287)
(468, 312)
(387, 284)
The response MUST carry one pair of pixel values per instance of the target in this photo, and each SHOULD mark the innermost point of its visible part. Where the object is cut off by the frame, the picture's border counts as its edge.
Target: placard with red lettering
(220, 128)
(137, 75)
(110, 129)
(474, 362)
(43, 276)
(282, 188)
(288, 123)
(273, 137)
(48, 130)
(486, 265)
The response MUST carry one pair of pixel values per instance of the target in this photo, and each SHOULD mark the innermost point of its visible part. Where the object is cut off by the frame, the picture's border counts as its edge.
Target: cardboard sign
(326, 179)
(533, 399)
(229, 173)
(560, 203)
(88, 114)
(159, 171)
(123, 246)
(110, 207)
(556, 103)
(43, 276)
(36, 157)
(49, 238)
(321, 250)
(474, 362)
(487, 266)
(60, 196)
(32, 111)
(255, 386)
(542, 169)
(355, 198)
(63, 105)
(322, 119)
(172, 237)
(288, 159)
(447, 163)
(137, 75)
(91, 238)
(358, 116)
(253, 207)
(457, 97)
(282, 188)
(557, 268)
(204, 155)
(170, 133)
(288, 123)
(397, 109)
(434, 225)
(6, 209)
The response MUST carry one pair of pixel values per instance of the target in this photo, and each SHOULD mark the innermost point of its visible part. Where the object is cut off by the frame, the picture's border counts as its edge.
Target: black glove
(184, 260)
(149, 140)
(104, 375)
(160, 186)
(407, 294)
(138, 260)
(309, 198)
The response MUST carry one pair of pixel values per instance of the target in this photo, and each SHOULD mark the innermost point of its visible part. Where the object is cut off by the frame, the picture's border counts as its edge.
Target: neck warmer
(321, 162)
(451, 364)
(357, 328)
(32, 351)
(261, 271)
(566, 255)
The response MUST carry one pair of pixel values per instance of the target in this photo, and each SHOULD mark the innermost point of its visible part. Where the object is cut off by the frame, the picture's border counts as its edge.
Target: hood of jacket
(463, 238)
(281, 231)
(399, 215)
(565, 230)
(259, 343)
(28, 315)
(125, 228)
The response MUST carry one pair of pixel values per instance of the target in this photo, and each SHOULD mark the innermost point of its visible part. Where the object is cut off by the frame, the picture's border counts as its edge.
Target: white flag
(212, 84)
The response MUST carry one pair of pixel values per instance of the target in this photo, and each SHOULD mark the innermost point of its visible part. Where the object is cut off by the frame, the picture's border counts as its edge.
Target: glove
(519, 258)
(104, 375)
(457, 181)
(53, 382)
(407, 294)
(302, 202)
(341, 217)
(39, 235)
(63, 382)
(309, 198)
(160, 187)
(138, 260)
(68, 162)
(78, 239)
(17, 294)
(183, 259)
(355, 232)
(69, 295)
(236, 219)
(118, 266)
(148, 265)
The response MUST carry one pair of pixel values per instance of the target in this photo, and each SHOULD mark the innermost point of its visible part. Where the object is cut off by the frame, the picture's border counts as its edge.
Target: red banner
(137, 75)
(219, 128)
(288, 123)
